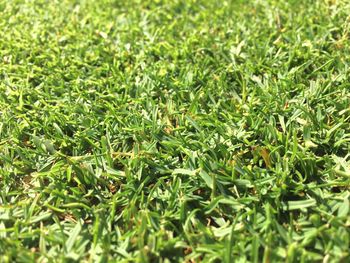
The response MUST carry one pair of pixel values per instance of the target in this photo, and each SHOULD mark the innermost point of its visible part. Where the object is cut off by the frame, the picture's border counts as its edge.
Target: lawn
(174, 131)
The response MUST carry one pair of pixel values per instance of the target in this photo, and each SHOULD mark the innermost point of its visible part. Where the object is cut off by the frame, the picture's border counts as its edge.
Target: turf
(174, 131)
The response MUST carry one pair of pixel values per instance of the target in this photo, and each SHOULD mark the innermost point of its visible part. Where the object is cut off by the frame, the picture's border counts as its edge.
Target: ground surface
(168, 131)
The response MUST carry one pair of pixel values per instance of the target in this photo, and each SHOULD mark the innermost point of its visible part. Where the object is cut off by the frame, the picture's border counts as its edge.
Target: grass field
(174, 131)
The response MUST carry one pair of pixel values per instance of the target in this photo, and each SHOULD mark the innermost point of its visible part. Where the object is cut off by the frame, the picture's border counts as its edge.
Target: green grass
(174, 131)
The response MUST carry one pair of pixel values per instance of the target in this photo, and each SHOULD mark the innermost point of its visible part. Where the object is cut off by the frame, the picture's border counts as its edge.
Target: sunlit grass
(174, 131)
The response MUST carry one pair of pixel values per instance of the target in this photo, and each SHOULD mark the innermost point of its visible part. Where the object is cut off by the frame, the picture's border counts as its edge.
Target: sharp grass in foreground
(172, 131)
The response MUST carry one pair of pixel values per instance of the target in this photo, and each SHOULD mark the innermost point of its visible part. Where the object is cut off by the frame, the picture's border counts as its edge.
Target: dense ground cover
(168, 131)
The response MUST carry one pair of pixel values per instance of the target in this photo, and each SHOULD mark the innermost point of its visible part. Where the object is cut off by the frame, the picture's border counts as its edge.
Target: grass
(174, 131)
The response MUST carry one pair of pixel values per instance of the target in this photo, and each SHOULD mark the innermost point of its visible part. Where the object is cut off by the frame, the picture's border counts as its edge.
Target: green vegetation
(174, 131)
